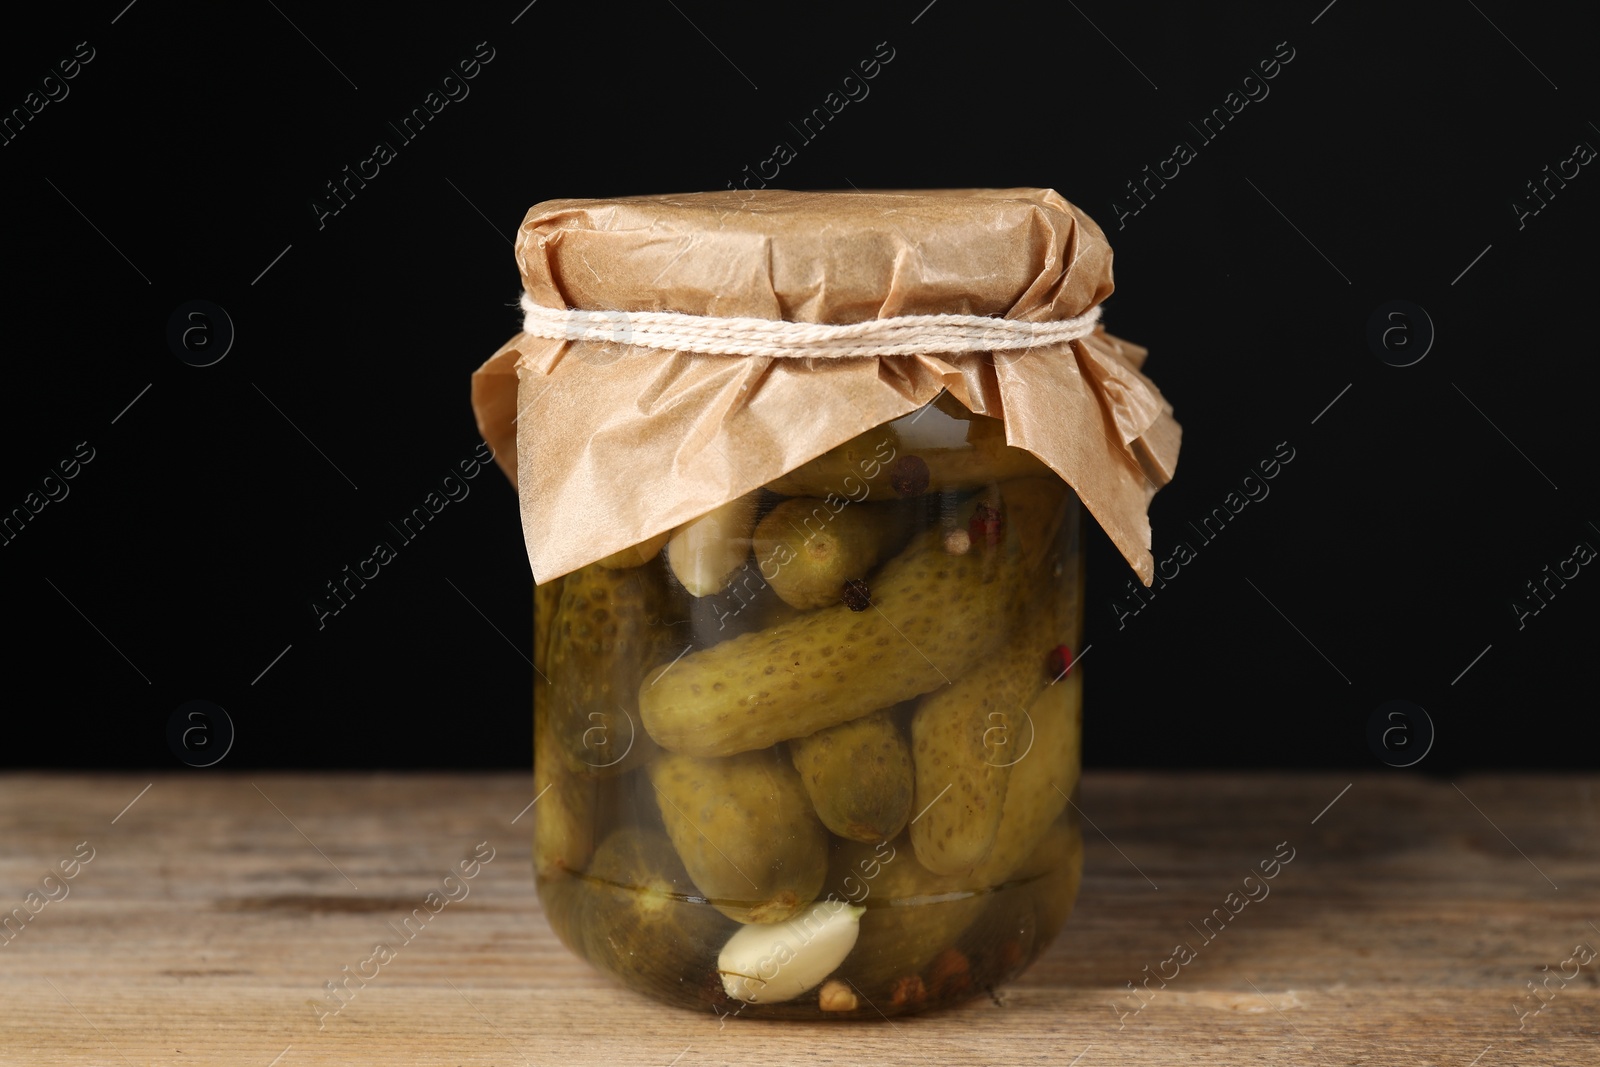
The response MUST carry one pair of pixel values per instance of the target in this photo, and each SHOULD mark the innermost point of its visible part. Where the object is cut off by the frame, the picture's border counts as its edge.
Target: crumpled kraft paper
(610, 444)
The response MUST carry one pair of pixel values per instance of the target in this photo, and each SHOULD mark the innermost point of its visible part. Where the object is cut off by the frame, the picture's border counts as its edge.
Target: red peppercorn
(908, 992)
(1058, 662)
(948, 975)
(986, 526)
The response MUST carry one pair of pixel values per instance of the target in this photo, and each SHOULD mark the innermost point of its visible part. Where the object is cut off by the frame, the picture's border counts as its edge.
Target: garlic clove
(705, 552)
(768, 963)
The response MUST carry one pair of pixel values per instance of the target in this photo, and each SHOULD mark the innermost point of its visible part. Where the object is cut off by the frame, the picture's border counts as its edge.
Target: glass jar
(815, 754)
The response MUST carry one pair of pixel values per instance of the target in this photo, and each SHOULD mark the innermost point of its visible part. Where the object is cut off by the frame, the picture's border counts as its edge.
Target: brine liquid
(898, 731)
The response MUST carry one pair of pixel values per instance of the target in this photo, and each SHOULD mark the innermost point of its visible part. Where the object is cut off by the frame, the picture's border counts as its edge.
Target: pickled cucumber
(859, 466)
(546, 601)
(913, 913)
(965, 738)
(610, 629)
(1039, 507)
(810, 549)
(866, 459)
(564, 826)
(858, 776)
(744, 830)
(1041, 781)
(635, 914)
(933, 616)
(985, 459)
(955, 469)
(565, 807)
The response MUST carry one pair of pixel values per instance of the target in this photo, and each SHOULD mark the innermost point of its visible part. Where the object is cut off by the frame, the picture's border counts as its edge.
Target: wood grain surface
(1405, 930)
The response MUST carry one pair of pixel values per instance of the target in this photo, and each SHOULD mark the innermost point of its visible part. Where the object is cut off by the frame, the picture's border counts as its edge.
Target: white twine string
(903, 335)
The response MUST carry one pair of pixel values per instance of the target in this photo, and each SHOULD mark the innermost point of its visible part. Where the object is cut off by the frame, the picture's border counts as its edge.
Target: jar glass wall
(815, 754)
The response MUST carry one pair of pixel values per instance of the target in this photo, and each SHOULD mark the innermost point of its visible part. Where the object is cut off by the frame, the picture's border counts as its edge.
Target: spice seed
(909, 476)
(908, 992)
(985, 526)
(836, 996)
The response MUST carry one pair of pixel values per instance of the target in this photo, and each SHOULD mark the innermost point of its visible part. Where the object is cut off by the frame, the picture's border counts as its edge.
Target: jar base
(665, 944)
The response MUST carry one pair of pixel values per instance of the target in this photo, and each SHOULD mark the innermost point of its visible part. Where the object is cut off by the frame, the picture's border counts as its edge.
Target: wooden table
(1404, 931)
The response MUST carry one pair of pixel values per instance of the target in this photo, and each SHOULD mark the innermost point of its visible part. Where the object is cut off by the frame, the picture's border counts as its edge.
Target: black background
(1384, 161)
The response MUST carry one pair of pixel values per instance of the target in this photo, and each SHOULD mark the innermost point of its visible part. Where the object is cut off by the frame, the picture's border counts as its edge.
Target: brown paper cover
(610, 444)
